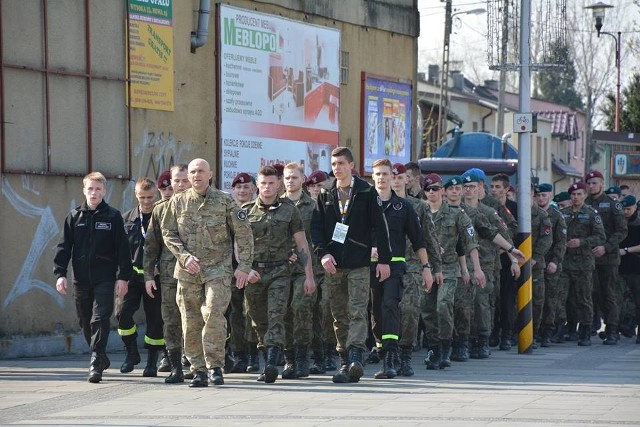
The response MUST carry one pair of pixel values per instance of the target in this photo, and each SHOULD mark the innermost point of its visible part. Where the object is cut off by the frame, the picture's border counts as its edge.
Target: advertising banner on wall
(279, 85)
(151, 54)
(387, 121)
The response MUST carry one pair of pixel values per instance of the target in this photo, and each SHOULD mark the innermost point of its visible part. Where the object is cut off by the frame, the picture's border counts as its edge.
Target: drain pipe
(199, 37)
(505, 138)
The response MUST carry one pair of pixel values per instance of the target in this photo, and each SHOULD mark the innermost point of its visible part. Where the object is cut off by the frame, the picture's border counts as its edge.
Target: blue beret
(478, 172)
(544, 188)
(628, 201)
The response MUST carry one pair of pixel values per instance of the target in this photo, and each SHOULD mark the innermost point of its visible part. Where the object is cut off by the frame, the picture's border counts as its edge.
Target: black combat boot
(474, 350)
(271, 368)
(505, 342)
(302, 362)
(199, 379)
(176, 375)
(374, 356)
(241, 363)
(572, 334)
(342, 376)
(558, 336)
(494, 338)
(483, 348)
(356, 369)
(433, 358)
(133, 356)
(405, 362)
(318, 366)
(165, 365)
(253, 359)
(454, 348)
(462, 354)
(584, 335)
(330, 358)
(387, 370)
(545, 338)
(96, 367)
(289, 371)
(611, 337)
(216, 377)
(151, 370)
(185, 361)
(445, 354)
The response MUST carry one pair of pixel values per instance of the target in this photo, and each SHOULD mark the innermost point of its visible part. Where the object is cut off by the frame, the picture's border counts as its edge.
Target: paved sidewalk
(564, 385)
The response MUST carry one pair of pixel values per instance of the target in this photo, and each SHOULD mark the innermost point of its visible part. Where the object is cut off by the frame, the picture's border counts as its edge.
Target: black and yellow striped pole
(523, 125)
(524, 316)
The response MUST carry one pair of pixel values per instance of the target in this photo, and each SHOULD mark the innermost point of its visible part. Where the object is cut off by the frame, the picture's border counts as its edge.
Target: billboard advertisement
(387, 121)
(279, 83)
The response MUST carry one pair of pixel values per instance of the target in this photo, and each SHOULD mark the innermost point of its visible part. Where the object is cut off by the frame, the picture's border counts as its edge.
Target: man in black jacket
(95, 242)
(341, 229)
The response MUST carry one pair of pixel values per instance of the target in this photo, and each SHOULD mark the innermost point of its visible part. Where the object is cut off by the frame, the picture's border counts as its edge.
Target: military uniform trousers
(482, 315)
(242, 333)
(437, 311)
(579, 302)
(127, 328)
(94, 305)
(537, 298)
(410, 308)
(508, 292)
(553, 299)
(463, 307)
(323, 333)
(632, 284)
(172, 329)
(267, 303)
(299, 316)
(348, 301)
(385, 305)
(606, 293)
(202, 307)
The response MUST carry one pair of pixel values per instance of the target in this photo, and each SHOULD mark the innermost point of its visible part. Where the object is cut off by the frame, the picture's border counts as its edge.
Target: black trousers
(385, 306)
(127, 329)
(94, 305)
(508, 292)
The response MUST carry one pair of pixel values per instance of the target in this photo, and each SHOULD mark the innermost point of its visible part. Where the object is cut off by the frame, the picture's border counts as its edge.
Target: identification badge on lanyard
(340, 232)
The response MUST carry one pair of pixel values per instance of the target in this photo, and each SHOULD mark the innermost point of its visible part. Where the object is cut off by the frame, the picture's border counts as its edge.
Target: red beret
(241, 178)
(593, 174)
(164, 180)
(280, 168)
(432, 178)
(576, 186)
(398, 169)
(316, 177)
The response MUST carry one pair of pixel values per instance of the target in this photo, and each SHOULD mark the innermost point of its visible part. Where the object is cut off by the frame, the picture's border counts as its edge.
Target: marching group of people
(304, 269)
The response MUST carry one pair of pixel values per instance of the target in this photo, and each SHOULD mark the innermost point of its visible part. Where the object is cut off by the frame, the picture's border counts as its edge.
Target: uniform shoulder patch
(618, 206)
(397, 206)
(597, 219)
(471, 231)
(547, 229)
(242, 214)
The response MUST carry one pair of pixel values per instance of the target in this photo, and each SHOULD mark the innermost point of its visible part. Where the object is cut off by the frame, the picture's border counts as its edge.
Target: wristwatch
(428, 265)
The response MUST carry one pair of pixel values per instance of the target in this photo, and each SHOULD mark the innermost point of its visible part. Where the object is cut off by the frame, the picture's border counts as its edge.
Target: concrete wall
(34, 206)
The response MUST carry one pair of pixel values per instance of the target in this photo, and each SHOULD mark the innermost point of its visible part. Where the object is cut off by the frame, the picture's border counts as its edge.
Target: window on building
(344, 67)
(474, 126)
(545, 154)
(63, 88)
(538, 152)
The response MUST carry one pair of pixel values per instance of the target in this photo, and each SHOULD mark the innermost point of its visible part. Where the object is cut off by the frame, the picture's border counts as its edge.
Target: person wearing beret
(614, 192)
(630, 263)
(607, 293)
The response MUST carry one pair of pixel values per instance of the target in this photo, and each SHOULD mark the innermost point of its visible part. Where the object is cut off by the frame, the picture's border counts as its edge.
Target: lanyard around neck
(344, 207)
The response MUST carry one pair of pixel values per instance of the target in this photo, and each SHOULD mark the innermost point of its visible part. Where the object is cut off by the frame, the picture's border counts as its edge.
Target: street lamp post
(443, 104)
(598, 10)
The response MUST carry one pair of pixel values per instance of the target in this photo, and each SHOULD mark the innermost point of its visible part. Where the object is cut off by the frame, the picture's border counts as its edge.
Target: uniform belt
(264, 264)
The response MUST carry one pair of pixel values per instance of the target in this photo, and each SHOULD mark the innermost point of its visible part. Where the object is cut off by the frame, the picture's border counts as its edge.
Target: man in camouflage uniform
(414, 181)
(412, 280)
(159, 261)
(275, 225)
(451, 225)
(197, 228)
(493, 235)
(553, 260)
(605, 280)
(299, 317)
(584, 232)
(243, 339)
(541, 241)
(630, 267)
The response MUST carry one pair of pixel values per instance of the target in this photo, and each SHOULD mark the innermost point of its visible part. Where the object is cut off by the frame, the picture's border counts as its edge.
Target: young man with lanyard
(629, 265)
(412, 279)
(158, 261)
(341, 229)
(94, 240)
(276, 226)
(386, 296)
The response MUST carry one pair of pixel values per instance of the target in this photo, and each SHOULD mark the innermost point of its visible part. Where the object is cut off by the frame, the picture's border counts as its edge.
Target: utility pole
(444, 79)
(502, 86)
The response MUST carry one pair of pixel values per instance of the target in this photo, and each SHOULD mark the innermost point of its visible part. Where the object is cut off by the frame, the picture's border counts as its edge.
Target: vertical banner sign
(387, 121)
(151, 54)
(279, 93)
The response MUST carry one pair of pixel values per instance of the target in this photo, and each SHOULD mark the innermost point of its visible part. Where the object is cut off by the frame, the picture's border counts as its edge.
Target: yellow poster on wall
(151, 55)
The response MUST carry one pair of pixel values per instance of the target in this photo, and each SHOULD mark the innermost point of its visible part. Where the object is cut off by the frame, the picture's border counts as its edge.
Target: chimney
(422, 77)
(491, 84)
(434, 74)
(458, 80)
